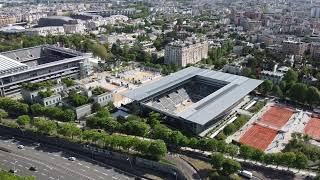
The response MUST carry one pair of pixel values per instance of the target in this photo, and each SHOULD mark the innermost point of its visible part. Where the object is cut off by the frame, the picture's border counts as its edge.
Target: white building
(183, 53)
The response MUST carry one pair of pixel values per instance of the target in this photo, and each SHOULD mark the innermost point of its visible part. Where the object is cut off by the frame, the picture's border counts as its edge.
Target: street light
(175, 174)
(14, 165)
(128, 159)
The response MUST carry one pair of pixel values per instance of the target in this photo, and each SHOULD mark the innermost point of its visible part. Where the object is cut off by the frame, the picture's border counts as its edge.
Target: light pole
(14, 165)
(129, 162)
(175, 174)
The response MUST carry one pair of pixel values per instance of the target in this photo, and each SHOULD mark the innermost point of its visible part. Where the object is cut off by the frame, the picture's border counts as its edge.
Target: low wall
(94, 152)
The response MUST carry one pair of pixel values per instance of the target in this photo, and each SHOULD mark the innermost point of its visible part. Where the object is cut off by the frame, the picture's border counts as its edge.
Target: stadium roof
(209, 107)
(8, 65)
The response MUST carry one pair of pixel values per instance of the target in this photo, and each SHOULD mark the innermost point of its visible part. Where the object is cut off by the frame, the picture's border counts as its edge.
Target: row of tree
(154, 149)
(290, 159)
(57, 113)
(224, 166)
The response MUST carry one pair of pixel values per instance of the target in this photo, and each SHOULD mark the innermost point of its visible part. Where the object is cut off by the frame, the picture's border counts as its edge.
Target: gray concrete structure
(195, 98)
(40, 63)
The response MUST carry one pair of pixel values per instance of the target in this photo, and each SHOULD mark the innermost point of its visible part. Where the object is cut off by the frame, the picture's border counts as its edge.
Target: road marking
(43, 174)
(11, 163)
(127, 177)
(20, 165)
(96, 170)
(26, 167)
(56, 155)
(80, 164)
(105, 174)
(5, 160)
(51, 177)
(114, 177)
(52, 158)
(83, 170)
(87, 167)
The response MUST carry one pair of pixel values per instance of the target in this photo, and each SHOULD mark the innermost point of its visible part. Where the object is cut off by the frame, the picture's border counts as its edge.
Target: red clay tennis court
(313, 128)
(258, 137)
(276, 116)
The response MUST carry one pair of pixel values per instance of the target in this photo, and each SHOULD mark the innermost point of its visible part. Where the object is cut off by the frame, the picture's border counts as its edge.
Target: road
(53, 164)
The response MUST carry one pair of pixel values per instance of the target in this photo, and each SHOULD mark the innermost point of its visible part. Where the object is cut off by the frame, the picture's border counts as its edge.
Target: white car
(20, 146)
(71, 158)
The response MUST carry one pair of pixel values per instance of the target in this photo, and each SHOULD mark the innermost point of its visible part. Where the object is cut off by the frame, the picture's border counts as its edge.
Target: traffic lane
(82, 165)
(22, 165)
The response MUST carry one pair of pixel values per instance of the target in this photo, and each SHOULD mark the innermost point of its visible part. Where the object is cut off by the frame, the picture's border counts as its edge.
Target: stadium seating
(189, 92)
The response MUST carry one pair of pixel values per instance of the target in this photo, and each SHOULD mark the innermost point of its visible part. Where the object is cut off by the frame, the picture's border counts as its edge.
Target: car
(246, 174)
(20, 146)
(12, 171)
(71, 158)
(33, 168)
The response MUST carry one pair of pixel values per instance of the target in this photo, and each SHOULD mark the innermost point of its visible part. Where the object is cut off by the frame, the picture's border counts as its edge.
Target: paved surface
(53, 164)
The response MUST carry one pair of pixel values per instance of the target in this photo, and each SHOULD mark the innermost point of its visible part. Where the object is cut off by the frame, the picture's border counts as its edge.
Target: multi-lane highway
(53, 163)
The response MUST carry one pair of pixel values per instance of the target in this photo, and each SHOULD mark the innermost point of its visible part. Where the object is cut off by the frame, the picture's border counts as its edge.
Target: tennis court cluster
(313, 128)
(258, 136)
(276, 117)
(263, 132)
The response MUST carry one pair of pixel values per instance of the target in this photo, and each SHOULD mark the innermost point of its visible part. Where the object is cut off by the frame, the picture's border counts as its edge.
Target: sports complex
(261, 134)
(193, 98)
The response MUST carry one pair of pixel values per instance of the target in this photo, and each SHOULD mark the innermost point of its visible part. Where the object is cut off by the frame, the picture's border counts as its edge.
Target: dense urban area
(167, 89)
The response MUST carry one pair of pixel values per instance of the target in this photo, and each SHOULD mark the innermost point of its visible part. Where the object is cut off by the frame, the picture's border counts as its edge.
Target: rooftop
(208, 108)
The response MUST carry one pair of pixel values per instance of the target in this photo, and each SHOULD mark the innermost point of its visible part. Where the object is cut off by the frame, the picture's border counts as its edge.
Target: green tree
(162, 132)
(3, 114)
(298, 92)
(290, 77)
(157, 149)
(288, 159)
(313, 96)
(232, 150)
(69, 130)
(37, 109)
(257, 155)
(216, 160)
(266, 87)
(23, 120)
(277, 91)
(68, 115)
(99, 50)
(78, 99)
(230, 166)
(301, 161)
(45, 127)
(229, 129)
(246, 151)
(154, 119)
(135, 127)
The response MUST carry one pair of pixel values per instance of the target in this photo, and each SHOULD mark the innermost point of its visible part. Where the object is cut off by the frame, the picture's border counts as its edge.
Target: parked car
(71, 158)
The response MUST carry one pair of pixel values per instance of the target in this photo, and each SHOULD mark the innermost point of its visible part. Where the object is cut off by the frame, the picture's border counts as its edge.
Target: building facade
(184, 53)
(40, 63)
